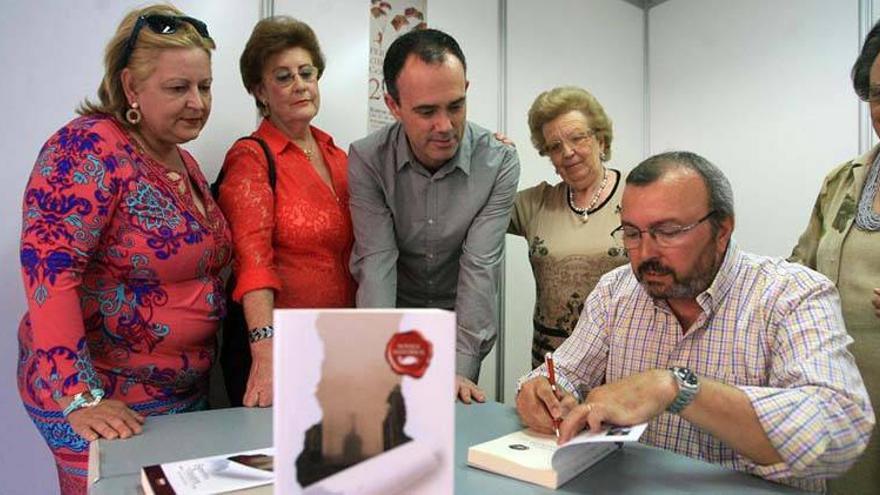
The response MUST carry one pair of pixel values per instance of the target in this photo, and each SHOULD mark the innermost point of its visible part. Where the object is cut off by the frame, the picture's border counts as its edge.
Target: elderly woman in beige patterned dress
(567, 225)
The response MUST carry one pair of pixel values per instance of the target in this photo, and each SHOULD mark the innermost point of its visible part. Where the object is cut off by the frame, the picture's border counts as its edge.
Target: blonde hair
(111, 96)
(557, 101)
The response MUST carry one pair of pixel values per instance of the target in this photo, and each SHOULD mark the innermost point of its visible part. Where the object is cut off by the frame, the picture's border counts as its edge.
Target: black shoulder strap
(270, 160)
(270, 166)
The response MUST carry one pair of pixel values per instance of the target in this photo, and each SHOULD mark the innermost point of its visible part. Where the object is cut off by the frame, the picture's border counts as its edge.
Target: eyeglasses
(160, 24)
(306, 73)
(574, 141)
(665, 235)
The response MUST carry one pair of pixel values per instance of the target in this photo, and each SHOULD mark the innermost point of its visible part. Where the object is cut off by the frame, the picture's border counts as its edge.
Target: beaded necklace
(866, 218)
(584, 212)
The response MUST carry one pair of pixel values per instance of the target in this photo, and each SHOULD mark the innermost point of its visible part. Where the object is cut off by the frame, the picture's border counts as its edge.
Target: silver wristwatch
(688, 386)
(258, 334)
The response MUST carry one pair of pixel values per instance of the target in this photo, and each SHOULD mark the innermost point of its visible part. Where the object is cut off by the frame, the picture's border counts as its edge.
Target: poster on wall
(388, 20)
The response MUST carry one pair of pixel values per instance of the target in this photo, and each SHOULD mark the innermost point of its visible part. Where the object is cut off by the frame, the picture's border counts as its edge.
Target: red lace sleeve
(248, 202)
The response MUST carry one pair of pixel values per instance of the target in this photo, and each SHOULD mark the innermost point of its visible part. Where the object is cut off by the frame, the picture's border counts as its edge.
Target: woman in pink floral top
(121, 249)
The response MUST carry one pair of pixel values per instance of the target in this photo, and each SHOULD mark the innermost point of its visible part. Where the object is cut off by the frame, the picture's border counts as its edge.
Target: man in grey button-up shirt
(430, 200)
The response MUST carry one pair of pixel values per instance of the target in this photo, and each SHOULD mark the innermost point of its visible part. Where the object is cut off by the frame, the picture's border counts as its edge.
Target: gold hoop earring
(133, 115)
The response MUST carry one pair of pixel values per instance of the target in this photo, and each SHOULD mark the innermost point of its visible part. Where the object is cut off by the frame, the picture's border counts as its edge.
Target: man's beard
(680, 288)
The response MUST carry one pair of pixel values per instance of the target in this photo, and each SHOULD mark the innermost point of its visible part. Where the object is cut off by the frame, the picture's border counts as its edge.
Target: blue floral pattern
(152, 210)
(122, 275)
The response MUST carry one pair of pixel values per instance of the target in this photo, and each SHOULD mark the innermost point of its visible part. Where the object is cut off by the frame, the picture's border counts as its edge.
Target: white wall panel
(595, 44)
(762, 90)
(342, 27)
(53, 52)
(477, 33)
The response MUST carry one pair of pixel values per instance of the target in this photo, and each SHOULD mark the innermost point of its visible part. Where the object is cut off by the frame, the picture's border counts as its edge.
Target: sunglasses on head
(161, 24)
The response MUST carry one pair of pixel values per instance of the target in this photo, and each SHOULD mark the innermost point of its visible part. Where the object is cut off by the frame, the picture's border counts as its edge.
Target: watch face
(686, 375)
(688, 386)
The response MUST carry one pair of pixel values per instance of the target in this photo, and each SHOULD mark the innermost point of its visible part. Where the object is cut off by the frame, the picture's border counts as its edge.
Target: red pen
(551, 371)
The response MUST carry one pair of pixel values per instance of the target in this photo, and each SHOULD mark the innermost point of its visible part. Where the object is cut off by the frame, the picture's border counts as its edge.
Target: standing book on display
(364, 401)
(534, 457)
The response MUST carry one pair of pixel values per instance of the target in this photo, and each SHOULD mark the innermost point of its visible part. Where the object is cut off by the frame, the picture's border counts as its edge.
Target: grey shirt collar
(460, 160)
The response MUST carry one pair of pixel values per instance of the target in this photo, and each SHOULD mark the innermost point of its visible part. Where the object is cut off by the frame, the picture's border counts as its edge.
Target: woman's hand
(108, 419)
(258, 306)
(259, 386)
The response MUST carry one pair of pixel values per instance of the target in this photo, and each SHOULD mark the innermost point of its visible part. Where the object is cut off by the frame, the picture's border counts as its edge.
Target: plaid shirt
(771, 328)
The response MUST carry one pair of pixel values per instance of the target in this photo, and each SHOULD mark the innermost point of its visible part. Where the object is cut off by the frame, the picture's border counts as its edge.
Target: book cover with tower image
(364, 401)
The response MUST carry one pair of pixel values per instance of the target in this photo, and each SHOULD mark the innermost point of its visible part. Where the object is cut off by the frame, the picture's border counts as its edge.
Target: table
(117, 463)
(634, 469)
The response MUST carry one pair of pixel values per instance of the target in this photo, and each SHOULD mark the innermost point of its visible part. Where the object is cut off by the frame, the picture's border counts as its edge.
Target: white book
(364, 401)
(535, 457)
(240, 472)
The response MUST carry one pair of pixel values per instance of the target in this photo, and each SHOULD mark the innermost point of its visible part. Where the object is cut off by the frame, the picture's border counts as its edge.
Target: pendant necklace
(307, 150)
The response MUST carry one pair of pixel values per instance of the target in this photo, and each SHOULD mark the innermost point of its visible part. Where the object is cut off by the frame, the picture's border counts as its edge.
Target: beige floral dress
(568, 254)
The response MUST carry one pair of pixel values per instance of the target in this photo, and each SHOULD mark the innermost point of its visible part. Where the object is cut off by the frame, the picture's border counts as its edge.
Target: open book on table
(240, 472)
(534, 457)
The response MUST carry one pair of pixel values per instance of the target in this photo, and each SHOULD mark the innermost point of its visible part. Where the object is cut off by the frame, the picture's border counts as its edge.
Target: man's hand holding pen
(542, 409)
(637, 398)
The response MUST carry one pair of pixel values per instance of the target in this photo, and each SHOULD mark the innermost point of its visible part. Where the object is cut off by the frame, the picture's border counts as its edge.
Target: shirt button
(430, 221)
(430, 256)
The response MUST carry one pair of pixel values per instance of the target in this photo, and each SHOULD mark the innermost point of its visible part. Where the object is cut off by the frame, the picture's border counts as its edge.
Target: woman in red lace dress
(121, 249)
(292, 244)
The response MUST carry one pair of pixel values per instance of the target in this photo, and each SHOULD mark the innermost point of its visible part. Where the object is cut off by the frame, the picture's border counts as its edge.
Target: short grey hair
(720, 192)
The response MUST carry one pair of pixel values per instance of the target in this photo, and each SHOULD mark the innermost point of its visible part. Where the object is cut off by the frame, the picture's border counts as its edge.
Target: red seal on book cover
(409, 353)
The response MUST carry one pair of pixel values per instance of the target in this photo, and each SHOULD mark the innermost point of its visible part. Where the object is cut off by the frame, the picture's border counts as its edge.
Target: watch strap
(688, 386)
(258, 334)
